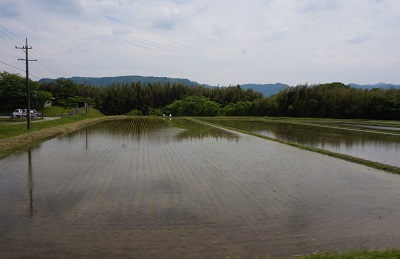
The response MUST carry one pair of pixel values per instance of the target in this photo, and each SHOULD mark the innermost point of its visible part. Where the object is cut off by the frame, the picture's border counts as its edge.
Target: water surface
(162, 189)
(374, 146)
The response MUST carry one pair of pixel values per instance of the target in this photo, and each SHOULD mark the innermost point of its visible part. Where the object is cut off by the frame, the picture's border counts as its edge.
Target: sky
(215, 42)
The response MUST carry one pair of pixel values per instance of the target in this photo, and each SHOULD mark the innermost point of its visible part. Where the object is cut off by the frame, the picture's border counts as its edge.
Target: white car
(19, 113)
(35, 114)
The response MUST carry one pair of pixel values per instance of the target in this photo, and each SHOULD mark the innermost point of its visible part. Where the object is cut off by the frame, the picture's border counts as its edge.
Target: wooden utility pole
(28, 97)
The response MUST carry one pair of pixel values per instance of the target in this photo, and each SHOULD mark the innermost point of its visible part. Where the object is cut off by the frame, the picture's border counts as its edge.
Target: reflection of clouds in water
(155, 194)
(371, 146)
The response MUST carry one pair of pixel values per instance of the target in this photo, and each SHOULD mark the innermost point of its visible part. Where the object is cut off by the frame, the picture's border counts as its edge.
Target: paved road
(34, 121)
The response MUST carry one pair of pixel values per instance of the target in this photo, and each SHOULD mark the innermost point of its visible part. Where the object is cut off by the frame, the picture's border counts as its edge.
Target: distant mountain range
(105, 81)
(265, 89)
(379, 85)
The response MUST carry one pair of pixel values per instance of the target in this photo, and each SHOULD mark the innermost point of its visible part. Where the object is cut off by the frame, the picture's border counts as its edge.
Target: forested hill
(105, 81)
(266, 89)
(374, 86)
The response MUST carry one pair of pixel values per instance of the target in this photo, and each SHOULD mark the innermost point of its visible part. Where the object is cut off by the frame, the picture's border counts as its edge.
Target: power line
(7, 54)
(18, 39)
(7, 43)
(12, 66)
(45, 63)
(54, 68)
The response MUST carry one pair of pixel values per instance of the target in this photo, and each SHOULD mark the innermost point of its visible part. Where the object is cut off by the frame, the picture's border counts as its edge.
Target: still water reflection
(383, 148)
(138, 189)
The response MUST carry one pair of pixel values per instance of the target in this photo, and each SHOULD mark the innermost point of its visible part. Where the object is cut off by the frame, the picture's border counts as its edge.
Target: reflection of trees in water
(138, 126)
(319, 136)
(131, 126)
(311, 135)
(194, 130)
(155, 129)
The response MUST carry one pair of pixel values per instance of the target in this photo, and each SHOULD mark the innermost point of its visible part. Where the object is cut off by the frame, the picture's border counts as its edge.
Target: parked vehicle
(35, 114)
(19, 113)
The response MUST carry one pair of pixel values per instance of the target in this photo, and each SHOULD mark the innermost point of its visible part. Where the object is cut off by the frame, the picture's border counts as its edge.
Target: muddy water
(383, 148)
(161, 189)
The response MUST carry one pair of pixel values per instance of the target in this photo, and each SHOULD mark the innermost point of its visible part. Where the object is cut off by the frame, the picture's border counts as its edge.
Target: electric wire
(12, 66)
(43, 61)
(18, 39)
(7, 54)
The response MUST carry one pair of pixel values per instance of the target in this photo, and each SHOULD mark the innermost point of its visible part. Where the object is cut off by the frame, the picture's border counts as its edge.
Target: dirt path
(14, 144)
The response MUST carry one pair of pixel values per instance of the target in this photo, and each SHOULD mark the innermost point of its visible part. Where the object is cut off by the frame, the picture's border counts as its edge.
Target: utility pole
(28, 97)
(86, 98)
(86, 101)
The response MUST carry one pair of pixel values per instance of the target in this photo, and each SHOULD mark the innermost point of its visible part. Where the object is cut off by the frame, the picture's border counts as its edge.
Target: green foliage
(12, 85)
(44, 95)
(335, 100)
(193, 106)
(134, 113)
(155, 112)
(66, 93)
(122, 98)
(238, 109)
(13, 90)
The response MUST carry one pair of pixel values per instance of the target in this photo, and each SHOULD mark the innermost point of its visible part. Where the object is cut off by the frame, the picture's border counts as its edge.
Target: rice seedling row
(160, 188)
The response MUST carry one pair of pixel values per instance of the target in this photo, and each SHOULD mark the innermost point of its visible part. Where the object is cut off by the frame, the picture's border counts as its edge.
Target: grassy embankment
(362, 254)
(330, 123)
(15, 136)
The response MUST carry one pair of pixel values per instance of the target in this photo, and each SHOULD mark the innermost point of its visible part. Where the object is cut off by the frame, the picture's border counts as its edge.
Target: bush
(134, 113)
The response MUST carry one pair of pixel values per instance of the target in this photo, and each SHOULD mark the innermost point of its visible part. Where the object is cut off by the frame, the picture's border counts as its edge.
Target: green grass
(55, 111)
(363, 254)
(11, 120)
(7, 131)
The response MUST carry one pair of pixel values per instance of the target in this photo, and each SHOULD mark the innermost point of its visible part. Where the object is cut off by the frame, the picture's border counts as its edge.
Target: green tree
(44, 96)
(238, 109)
(193, 106)
(13, 89)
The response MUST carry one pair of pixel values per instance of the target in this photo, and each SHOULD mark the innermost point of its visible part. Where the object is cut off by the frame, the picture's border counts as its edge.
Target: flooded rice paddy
(153, 188)
(374, 146)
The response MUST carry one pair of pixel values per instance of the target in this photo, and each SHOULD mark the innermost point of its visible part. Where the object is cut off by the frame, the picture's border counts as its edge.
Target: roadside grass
(55, 111)
(7, 131)
(11, 120)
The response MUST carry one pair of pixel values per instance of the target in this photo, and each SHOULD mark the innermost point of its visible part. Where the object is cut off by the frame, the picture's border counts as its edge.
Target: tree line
(336, 100)
(333, 100)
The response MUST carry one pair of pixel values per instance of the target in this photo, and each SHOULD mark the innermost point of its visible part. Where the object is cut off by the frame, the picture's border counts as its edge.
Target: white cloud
(214, 41)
